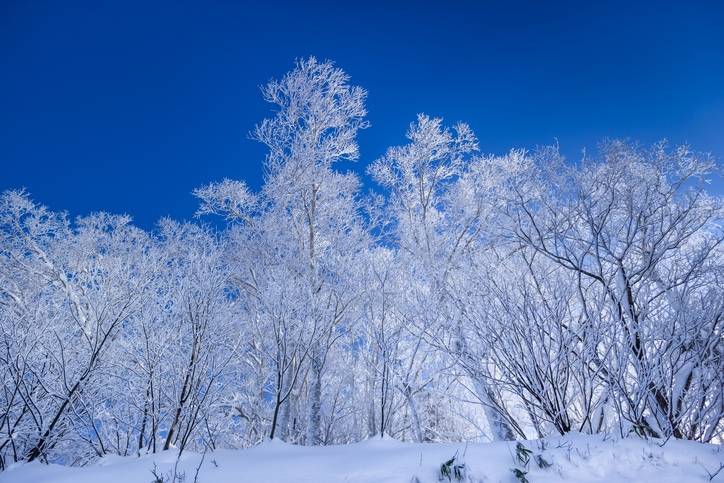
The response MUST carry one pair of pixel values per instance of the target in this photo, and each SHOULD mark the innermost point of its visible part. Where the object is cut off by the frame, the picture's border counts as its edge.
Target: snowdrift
(574, 458)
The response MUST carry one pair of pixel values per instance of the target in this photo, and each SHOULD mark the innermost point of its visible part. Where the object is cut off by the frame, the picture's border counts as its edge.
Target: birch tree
(308, 211)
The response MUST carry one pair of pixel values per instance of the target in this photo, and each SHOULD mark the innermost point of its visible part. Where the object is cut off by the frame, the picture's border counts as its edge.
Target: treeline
(471, 297)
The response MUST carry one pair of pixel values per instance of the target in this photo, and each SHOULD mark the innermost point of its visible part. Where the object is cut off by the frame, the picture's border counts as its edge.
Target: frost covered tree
(434, 236)
(200, 315)
(308, 216)
(68, 290)
(643, 240)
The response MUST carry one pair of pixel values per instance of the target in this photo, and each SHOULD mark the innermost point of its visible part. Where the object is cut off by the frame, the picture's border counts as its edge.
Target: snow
(574, 458)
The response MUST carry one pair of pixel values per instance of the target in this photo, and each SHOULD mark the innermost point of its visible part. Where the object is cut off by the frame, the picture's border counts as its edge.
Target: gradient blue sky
(126, 106)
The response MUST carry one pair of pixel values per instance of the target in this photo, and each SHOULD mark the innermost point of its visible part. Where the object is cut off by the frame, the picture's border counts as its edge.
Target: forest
(439, 294)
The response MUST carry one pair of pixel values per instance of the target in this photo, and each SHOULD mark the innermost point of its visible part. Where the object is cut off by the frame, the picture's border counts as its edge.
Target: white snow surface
(574, 458)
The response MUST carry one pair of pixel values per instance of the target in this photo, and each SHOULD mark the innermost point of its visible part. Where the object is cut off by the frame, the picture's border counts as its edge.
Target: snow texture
(574, 458)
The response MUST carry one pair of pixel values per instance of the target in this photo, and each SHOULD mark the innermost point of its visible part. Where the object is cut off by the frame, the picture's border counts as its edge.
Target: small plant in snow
(522, 454)
(713, 473)
(450, 470)
(542, 462)
(168, 477)
(520, 475)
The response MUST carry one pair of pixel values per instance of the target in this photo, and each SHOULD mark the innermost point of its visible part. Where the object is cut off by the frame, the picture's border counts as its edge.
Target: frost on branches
(472, 297)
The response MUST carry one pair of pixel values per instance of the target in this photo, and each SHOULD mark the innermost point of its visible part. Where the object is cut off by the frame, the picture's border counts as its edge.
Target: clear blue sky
(126, 106)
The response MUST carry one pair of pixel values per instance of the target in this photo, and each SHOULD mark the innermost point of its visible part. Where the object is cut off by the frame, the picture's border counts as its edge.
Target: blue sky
(127, 106)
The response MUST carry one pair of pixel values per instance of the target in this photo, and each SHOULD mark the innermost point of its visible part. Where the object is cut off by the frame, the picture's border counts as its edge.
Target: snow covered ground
(575, 458)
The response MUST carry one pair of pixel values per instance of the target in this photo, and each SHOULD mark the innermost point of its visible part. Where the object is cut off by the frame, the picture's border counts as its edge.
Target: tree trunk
(412, 405)
(314, 418)
(500, 430)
